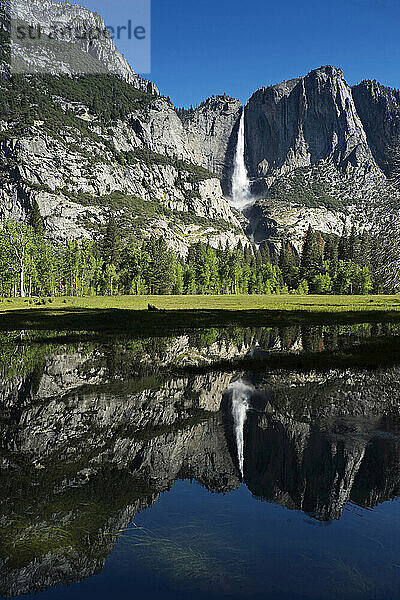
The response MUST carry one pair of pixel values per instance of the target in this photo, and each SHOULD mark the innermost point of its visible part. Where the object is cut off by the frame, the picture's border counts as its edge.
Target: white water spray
(241, 195)
(240, 405)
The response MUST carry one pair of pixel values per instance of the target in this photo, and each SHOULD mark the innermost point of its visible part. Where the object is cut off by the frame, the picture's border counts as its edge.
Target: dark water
(129, 471)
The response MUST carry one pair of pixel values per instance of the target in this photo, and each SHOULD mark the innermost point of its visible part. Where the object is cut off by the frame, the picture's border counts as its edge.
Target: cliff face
(303, 121)
(318, 154)
(379, 110)
(77, 169)
(78, 160)
(76, 51)
(317, 151)
(206, 136)
(213, 129)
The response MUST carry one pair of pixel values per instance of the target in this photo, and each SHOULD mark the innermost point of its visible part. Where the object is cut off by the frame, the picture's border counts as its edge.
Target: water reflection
(90, 436)
(240, 396)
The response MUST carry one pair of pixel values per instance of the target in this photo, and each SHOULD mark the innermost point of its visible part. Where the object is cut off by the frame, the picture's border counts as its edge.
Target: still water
(141, 468)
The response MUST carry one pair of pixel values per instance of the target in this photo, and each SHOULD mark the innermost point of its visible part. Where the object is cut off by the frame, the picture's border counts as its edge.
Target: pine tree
(331, 251)
(287, 263)
(160, 269)
(311, 257)
(189, 280)
(259, 260)
(36, 220)
(354, 245)
(265, 253)
(344, 246)
(248, 255)
(110, 248)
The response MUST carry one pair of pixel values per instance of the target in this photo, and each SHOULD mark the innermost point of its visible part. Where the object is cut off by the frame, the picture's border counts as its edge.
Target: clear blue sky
(205, 47)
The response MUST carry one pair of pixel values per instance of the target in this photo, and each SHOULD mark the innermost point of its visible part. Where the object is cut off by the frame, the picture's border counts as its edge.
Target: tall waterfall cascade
(241, 394)
(241, 195)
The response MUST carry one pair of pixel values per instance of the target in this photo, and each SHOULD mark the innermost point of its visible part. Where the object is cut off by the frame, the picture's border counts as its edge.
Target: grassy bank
(230, 303)
(107, 320)
(129, 314)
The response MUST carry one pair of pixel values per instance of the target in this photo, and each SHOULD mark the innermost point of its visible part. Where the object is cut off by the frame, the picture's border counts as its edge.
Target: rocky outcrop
(277, 220)
(379, 110)
(205, 136)
(82, 44)
(317, 151)
(303, 121)
(311, 154)
(213, 128)
(75, 180)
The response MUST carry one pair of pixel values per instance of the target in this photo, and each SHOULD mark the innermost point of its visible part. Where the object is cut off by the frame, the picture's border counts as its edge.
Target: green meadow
(129, 315)
(308, 304)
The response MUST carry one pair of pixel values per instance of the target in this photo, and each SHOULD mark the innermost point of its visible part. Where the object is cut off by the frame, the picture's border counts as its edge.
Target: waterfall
(240, 181)
(240, 405)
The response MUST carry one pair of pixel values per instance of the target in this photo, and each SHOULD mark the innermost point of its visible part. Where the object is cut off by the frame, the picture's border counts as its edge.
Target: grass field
(105, 319)
(217, 303)
(129, 314)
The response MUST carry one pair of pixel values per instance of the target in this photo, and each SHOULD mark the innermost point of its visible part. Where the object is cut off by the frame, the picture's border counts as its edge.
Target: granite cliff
(379, 110)
(314, 157)
(317, 150)
(80, 42)
(79, 161)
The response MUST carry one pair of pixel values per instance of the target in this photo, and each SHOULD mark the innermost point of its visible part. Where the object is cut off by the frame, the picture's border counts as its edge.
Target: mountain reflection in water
(91, 436)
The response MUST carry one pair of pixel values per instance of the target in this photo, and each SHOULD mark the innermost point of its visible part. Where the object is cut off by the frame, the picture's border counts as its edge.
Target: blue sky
(206, 47)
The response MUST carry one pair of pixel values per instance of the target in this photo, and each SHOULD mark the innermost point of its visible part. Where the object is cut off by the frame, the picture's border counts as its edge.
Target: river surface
(148, 468)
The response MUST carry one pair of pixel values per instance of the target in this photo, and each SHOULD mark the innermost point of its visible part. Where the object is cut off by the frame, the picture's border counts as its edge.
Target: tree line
(32, 266)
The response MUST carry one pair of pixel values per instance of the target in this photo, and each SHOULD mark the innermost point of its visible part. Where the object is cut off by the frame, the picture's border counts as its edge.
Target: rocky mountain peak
(220, 102)
(379, 109)
(327, 72)
(378, 90)
(314, 147)
(72, 53)
(302, 121)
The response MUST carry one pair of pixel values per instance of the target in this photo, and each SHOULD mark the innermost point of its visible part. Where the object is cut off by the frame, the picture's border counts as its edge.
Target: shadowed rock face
(87, 442)
(379, 110)
(297, 466)
(306, 143)
(318, 470)
(303, 121)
